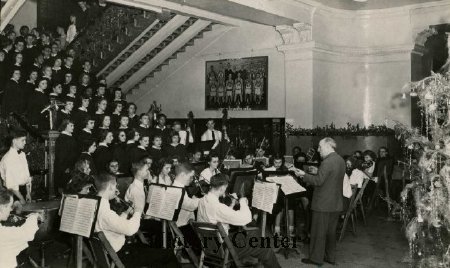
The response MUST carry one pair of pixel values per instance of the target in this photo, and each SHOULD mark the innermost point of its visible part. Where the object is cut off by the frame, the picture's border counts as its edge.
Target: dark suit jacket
(328, 184)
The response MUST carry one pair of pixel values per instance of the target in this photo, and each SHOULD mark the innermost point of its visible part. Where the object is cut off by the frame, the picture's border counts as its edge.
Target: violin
(14, 220)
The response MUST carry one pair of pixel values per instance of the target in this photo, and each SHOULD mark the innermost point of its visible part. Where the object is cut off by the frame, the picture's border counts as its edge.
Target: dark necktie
(19, 151)
(213, 135)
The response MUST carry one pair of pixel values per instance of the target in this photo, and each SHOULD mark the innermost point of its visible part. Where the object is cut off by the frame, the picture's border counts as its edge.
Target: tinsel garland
(332, 130)
(426, 199)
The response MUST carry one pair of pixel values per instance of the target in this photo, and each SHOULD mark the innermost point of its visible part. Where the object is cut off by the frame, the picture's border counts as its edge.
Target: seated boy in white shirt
(116, 227)
(212, 211)
(13, 240)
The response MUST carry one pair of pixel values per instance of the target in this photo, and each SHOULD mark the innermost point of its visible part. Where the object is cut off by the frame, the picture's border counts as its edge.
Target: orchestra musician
(14, 239)
(212, 135)
(116, 227)
(207, 173)
(14, 168)
(212, 211)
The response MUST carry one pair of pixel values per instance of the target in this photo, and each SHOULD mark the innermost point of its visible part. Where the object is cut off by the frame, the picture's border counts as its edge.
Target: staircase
(8, 10)
(109, 34)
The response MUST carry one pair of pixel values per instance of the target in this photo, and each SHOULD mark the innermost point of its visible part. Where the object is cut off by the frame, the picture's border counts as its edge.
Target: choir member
(72, 93)
(175, 148)
(144, 126)
(123, 123)
(18, 63)
(164, 169)
(87, 70)
(47, 72)
(30, 52)
(161, 129)
(3, 71)
(117, 97)
(66, 154)
(186, 137)
(103, 154)
(101, 108)
(14, 239)
(68, 62)
(88, 148)
(211, 170)
(29, 85)
(85, 82)
(156, 150)
(136, 153)
(64, 113)
(13, 97)
(116, 228)
(134, 118)
(119, 152)
(81, 114)
(116, 114)
(197, 156)
(105, 122)
(14, 169)
(212, 135)
(210, 210)
(56, 94)
(113, 167)
(57, 71)
(100, 93)
(36, 104)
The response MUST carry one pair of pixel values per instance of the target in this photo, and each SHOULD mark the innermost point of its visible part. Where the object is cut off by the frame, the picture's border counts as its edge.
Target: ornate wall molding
(298, 33)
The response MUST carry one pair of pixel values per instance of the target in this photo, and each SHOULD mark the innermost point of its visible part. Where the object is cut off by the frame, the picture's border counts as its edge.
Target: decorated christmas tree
(426, 199)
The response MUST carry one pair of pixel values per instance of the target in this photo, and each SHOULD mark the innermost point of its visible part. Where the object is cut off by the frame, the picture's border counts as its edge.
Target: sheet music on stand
(164, 201)
(288, 184)
(79, 214)
(265, 195)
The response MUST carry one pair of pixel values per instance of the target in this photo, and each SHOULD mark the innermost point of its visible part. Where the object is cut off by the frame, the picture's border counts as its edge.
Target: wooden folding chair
(349, 215)
(213, 255)
(104, 254)
(177, 234)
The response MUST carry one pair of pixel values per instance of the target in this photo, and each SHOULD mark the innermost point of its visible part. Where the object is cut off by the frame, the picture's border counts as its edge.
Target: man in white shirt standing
(116, 227)
(212, 135)
(13, 239)
(212, 211)
(14, 168)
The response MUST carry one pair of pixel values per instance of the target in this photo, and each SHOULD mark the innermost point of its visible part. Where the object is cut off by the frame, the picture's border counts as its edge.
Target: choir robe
(79, 117)
(163, 133)
(36, 103)
(102, 156)
(134, 121)
(156, 154)
(28, 89)
(179, 150)
(115, 119)
(88, 157)
(13, 98)
(83, 136)
(66, 154)
(119, 153)
(60, 116)
(136, 153)
(144, 131)
(3, 75)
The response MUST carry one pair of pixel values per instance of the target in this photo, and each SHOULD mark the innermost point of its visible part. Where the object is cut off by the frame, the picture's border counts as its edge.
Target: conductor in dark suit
(326, 203)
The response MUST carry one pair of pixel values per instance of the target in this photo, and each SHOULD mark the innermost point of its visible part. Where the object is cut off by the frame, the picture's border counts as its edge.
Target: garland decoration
(332, 130)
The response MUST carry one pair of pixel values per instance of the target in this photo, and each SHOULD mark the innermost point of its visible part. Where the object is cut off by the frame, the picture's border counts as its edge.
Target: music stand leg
(263, 224)
(164, 230)
(79, 254)
(291, 248)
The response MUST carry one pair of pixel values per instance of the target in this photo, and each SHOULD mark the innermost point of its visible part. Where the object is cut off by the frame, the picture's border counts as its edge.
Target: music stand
(232, 163)
(284, 251)
(242, 180)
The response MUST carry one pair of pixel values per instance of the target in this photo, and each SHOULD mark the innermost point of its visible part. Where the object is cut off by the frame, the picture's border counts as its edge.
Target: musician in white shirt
(116, 227)
(14, 240)
(207, 173)
(212, 211)
(211, 134)
(14, 169)
(135, 192)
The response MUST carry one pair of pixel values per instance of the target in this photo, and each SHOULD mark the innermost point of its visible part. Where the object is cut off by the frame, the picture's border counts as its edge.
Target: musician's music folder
(79, 214)
(164, 201)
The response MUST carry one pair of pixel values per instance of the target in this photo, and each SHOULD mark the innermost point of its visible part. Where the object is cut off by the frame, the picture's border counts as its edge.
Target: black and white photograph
(224, 133)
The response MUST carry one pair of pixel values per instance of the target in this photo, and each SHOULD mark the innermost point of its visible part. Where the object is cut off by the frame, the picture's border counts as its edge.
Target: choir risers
(8, 11)
(168, 51)
(146, 48)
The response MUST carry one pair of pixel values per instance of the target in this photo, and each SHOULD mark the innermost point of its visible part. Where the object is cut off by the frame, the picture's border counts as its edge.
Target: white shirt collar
(130, 142)
(103, 144)
(66, 133)
(142, 147)
(87, 130)
(82, 109)
(39, 90)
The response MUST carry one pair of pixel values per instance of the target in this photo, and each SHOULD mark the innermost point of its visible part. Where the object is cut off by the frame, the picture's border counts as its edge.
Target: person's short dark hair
(385, 148)
(136, 166)
(174, 133)
(122, 116)
(64, 124)
(19, 40)
(218, 180)
(117, 103)
(16, 69)
(142, 115)
(86, 144)
(69, 99)
(18, 133)
(85, 97)
(371, 154)
(162, 162)
(87, 119)
(183, 168)
(131, 133)
(160, 116)
(141, 137)
(211, 156)
(176, 123)
(100, 100)
(77, 182)
(47, 47)
(103, 134)
(132, 104)
(68, 56)
(103, 180)
(156, 136)
(5, 196)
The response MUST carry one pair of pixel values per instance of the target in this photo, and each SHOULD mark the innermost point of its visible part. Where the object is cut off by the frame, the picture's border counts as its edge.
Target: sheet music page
(78, 216)
(155, 199)
(264, 196)
(288, 184)
(171, 201)
(258, 195)
(85, 216)
(69, 213)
